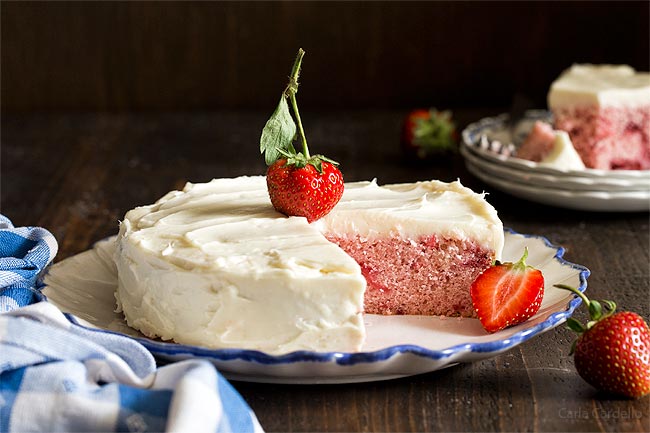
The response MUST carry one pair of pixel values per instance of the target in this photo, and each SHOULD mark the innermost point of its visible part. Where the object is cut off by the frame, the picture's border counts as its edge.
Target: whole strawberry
(428, 132)
(300, 189)
(507, 294)
(612, 352)
(299, 184)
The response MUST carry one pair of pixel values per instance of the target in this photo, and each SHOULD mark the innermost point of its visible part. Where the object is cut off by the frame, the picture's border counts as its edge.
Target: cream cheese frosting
(215, 265)
(563, 155)
(600, 85)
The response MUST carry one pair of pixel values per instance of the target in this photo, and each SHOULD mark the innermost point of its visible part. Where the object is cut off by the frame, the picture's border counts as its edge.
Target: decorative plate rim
(352, 358)
(471, 135)
(636, 194)
(540, 179)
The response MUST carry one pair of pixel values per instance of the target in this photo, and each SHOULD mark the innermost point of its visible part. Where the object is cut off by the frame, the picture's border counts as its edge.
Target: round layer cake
(215, 265)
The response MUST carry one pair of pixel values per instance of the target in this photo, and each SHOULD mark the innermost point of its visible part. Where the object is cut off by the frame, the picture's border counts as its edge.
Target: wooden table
(77, 174)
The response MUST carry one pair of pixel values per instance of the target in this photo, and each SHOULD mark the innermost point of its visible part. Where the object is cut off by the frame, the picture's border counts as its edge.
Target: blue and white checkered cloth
(57, 376)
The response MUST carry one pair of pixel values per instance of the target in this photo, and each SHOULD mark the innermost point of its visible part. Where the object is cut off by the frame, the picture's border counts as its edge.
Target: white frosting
(215, 265)
(563, 155)
(414, 210)
(600, 85)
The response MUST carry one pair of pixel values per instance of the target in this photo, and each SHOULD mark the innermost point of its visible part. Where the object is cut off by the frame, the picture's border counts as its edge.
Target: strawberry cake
(606, 111)
(550, 147)
(215, 265)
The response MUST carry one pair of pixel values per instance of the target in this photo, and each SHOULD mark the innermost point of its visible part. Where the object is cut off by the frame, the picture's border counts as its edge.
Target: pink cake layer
(608, 138)
(539, 142)
(428, 276)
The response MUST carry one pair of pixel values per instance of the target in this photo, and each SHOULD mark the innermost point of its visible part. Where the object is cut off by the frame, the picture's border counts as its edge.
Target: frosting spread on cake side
(215, 265)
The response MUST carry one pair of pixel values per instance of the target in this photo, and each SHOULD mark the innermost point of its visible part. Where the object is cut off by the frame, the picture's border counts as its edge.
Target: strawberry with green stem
(612, 352)
(428, 132)
(299, 184)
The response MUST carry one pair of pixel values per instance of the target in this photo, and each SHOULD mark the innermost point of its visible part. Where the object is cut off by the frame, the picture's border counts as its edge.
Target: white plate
(567, 182)
(83, 285)
(496, 128)
(603, 201)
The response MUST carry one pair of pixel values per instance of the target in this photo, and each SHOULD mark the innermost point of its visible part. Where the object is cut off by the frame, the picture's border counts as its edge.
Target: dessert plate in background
(601, 201)
(83, 285)
(496, 129)
(542, 179)
(487, 148)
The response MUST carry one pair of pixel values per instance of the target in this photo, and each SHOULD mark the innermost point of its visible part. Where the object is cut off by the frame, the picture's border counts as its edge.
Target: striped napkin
(57, 376)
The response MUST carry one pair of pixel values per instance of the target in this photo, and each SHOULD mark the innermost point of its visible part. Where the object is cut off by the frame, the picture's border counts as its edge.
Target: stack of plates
(487, 147)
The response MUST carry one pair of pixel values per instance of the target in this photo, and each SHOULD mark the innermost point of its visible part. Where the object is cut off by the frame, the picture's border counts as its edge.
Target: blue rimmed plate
(83, 285)
(493, 140)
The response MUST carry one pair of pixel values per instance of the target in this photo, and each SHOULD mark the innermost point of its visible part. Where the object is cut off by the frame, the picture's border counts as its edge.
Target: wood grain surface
(77, 174)
(206, 55)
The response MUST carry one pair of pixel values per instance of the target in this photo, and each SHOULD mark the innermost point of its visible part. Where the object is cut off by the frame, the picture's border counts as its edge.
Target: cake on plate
(606, 111)
(215, 265)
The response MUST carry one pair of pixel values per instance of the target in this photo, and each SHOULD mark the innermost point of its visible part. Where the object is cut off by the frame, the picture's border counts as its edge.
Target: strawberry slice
(507, 293)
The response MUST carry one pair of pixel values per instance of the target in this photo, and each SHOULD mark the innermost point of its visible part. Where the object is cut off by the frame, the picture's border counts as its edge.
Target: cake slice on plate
(550, 147)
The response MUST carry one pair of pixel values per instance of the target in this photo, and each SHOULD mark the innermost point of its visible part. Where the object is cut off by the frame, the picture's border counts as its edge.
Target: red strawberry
(612, 352)
(426, 132)
(411, 123)
(507, 293)
(299, 184)
(304, 191)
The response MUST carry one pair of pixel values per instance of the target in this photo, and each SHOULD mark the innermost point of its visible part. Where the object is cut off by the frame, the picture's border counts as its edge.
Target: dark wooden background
(116, 56)
(109, 105)
(77, 174)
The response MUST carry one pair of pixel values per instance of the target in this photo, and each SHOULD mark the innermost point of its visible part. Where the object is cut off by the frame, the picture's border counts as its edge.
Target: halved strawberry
(507, 293)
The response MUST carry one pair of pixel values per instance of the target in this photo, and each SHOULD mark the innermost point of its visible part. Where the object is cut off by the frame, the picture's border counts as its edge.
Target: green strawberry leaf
(278, 133)
(280, 130)
(575, 326)
(324, 158)
(318, 163)
(595, 310)
(610, 306)
(435, 133)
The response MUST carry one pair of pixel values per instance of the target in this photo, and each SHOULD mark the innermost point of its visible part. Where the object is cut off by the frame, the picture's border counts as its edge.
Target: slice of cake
(538, 143)
(419, 246)
(551, 148)
(216, 266)
(606, 111)
(563, 155)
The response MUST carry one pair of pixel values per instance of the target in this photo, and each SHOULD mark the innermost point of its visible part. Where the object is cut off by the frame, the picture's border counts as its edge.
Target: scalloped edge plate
(536, 179)
(397, 346)
(602, 201)
(496, 128)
